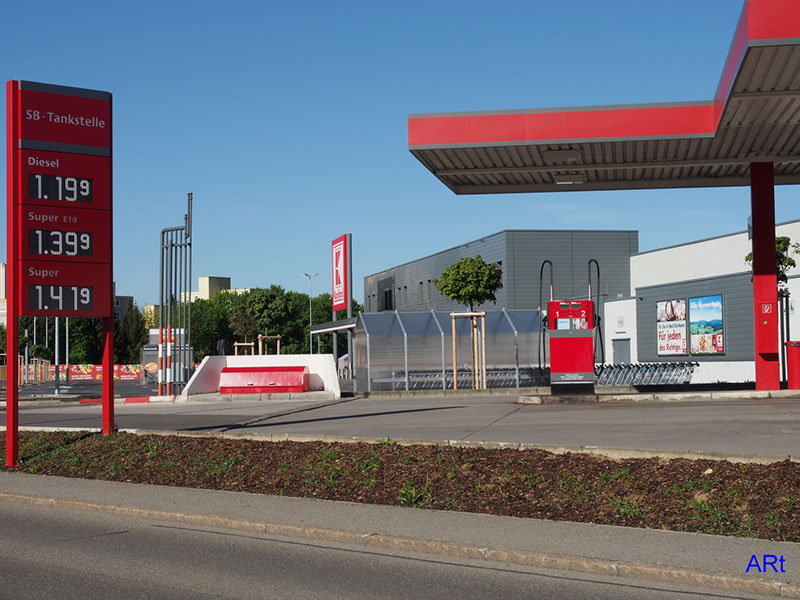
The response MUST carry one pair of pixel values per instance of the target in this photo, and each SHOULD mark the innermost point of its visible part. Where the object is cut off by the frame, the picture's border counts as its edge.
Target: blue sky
(288, 121)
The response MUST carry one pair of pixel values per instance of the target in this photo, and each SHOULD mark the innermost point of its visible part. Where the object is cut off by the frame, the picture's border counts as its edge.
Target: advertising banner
(671, 327)
(95, 372)
(706, 325)
(339, 285)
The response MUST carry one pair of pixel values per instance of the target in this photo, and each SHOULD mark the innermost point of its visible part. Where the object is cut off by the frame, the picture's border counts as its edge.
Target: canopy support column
(765, 276)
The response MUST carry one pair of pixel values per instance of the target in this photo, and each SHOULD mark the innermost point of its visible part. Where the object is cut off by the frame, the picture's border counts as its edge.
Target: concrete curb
(536, 398)
(606, 452)
(265, 397)
(131, 400)
(710, 579)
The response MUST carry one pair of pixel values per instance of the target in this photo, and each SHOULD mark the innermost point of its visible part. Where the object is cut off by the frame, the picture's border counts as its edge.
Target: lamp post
(310, 322)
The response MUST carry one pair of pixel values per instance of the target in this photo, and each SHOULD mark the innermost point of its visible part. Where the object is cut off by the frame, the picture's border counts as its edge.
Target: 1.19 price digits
(60, 297)
(56, 187)
(60, 243)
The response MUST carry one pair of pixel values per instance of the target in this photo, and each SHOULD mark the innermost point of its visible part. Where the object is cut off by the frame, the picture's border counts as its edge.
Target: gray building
(519, 253)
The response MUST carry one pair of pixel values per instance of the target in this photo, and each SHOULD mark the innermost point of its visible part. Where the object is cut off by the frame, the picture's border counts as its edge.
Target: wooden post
(455, 362)
(483, 343)
(474, 335)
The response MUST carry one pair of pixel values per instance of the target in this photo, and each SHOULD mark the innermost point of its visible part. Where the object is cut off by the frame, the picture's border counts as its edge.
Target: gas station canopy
(753, 118)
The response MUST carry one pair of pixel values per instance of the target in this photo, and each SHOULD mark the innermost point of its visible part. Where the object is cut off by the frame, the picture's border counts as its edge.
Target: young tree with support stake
(471, 281)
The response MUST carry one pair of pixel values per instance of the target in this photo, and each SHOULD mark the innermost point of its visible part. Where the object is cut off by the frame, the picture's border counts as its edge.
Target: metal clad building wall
(412, 290)
(737, 315)
(570, 252)
(521, 253)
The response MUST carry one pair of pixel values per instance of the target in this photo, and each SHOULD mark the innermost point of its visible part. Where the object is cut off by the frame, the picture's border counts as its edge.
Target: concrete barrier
(321, 368)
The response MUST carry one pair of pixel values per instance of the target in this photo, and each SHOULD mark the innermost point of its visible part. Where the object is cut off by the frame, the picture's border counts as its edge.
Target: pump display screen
(572, 314)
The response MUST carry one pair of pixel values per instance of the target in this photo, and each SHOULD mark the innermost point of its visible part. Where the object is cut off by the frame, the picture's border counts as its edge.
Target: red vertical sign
(340, 270)
(59, 217)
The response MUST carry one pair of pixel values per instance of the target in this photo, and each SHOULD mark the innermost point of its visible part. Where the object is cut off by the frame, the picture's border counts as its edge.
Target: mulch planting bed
(704, 496)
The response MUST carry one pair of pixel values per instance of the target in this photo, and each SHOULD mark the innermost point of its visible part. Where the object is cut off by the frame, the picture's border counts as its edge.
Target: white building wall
(619, 320)
(714, 257)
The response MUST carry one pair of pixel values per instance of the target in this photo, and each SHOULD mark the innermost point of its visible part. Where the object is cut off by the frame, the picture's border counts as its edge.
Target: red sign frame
(63, 133)
(62, 136)
(340, 272)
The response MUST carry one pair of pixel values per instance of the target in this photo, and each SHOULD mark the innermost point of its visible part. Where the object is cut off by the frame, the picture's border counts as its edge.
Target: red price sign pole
(59, 221)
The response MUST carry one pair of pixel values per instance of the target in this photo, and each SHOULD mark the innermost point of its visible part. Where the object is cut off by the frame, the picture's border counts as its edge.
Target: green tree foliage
(86, 341)
(785, 250)
(470, 281)
(135, 334)
(273, 311)
(85, 338)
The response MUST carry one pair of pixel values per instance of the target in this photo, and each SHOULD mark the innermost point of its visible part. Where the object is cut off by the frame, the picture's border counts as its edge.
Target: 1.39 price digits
(60, 297)
(56, 187)
(60, 243)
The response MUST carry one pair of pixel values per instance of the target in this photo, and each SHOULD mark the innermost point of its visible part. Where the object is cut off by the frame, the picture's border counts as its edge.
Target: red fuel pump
(574, 333)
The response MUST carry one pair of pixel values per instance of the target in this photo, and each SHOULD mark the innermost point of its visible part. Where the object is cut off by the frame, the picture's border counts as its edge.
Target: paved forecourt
(739, 427)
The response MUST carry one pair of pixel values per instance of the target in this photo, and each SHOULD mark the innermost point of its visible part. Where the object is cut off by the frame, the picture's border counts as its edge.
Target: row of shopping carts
(640, 374)
(671, 373)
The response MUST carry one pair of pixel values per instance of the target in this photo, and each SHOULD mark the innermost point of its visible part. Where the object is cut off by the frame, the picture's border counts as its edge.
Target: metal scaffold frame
(175, 360)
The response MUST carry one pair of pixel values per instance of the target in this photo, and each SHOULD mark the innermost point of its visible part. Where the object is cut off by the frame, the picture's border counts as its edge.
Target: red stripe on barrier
(137, 400)
(91, 401)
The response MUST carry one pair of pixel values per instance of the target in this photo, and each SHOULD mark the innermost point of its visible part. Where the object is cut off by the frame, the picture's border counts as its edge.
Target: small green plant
(283, 467)
(689, 484)
(411, 496)
(619, 474)
(628, 508)
(386, 442)
(225, 466)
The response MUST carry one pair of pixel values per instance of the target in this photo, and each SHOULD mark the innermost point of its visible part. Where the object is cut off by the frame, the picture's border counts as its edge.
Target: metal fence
(38, 371)
(413, 350)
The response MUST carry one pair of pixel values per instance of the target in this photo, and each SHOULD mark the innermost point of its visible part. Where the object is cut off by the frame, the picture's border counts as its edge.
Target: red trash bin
(793, 365)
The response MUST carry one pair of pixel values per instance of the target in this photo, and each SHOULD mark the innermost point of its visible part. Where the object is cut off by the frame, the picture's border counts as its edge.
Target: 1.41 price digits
(56, 187)
(60, 243)
(60, 297)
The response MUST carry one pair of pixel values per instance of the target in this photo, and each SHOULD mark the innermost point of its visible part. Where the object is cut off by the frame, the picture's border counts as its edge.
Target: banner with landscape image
(706, 325)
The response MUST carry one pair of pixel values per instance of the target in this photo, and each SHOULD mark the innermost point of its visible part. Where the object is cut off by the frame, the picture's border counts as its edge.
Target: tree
(470, 281)
(784, 252)
(135, 333)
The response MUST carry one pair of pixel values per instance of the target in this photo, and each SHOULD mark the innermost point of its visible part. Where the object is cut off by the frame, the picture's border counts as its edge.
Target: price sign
(63, 234)
(67, 288)
(59, 179)
(62, 201)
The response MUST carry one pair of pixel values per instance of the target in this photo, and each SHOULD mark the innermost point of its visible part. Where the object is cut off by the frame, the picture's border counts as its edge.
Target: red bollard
(793, 365)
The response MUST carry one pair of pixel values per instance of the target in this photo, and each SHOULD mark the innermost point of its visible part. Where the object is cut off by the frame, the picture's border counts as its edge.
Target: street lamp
(310, 322)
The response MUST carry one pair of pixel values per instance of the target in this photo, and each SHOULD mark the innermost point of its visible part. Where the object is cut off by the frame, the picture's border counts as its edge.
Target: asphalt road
(85, 389)
(733, 427)
(48, 552)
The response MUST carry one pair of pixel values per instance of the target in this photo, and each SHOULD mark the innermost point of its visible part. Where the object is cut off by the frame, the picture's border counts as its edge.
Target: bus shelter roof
(753, 117)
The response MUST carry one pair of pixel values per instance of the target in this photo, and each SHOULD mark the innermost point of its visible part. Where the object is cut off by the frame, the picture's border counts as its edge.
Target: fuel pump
(574, 331)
